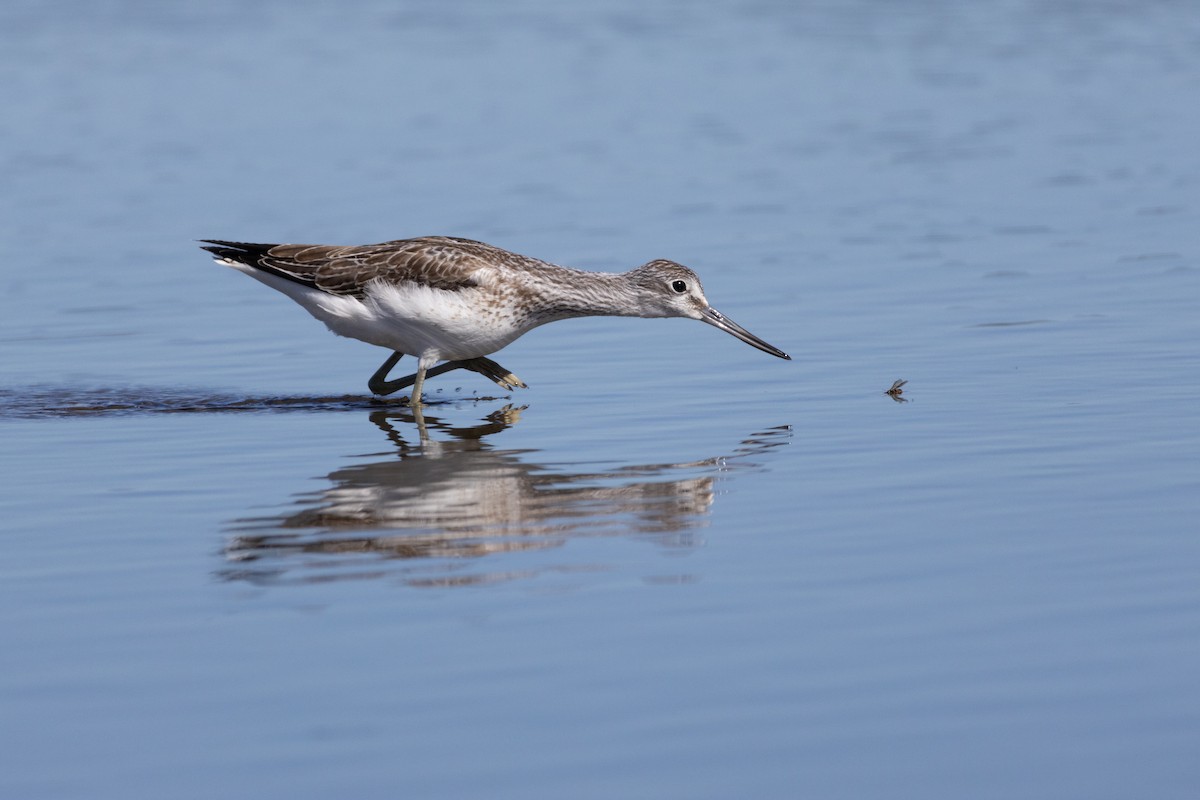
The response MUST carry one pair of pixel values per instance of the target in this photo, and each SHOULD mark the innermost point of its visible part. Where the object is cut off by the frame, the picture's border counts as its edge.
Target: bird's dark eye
(679, 286)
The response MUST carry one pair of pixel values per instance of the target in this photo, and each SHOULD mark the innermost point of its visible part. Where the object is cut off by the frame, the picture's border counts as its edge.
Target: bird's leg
(423, 364)
(379, 384)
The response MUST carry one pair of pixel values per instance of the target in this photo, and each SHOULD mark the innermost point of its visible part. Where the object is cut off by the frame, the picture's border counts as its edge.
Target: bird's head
(667, 289)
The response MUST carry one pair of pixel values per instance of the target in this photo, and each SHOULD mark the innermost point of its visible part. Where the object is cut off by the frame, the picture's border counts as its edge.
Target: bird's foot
(493, 372)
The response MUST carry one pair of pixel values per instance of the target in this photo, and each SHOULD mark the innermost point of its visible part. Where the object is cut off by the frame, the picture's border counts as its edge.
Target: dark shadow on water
(429, 514)
(56, 402)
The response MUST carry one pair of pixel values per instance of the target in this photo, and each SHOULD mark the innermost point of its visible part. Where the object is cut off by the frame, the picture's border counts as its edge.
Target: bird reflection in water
(428, 516)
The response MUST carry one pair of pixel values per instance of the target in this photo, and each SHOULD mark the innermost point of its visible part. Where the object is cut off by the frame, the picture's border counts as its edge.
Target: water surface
(673, 566)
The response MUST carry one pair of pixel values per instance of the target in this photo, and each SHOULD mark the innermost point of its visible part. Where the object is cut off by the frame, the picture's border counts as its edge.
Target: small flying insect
(896, 391)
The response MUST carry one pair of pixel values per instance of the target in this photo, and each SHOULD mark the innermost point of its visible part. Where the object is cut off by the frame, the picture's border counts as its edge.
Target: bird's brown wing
(439, 262)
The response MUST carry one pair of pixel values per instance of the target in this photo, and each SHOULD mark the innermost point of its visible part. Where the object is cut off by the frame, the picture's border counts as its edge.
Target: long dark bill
(719, 320)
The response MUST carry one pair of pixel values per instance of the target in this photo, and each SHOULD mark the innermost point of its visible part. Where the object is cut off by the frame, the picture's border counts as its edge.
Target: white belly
(430, 323)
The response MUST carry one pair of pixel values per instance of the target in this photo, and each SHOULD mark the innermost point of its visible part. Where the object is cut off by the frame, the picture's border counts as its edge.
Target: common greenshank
(456, 300)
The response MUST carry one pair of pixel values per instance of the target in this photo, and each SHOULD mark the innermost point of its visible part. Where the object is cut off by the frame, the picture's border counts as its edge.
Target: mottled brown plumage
(439, 262)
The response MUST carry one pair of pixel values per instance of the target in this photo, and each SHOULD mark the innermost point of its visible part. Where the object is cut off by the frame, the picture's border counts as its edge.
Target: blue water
(673, 566)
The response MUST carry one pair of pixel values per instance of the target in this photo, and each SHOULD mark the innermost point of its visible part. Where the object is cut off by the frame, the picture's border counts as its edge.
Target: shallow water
(673, 566)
